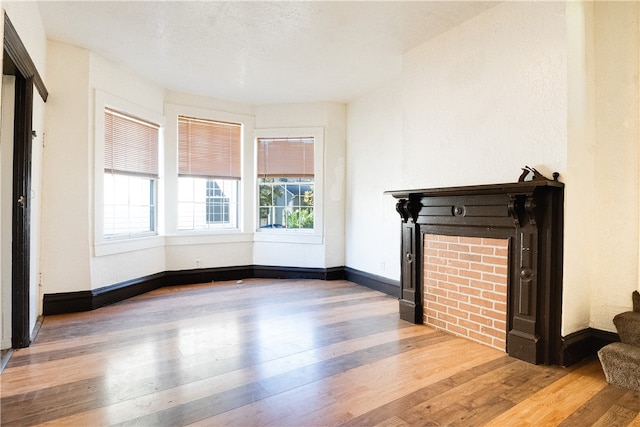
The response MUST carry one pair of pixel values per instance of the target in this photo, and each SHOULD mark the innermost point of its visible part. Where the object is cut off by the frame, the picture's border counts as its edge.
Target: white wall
(545, 84)
(6, 207)
(66, 170)
(326, 250)
(113, 86)
(486, 98)
(614, 221)
(374, 165)
(189, 250)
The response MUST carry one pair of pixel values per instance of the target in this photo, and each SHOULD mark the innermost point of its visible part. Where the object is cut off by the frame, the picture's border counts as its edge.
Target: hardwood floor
(286, 353)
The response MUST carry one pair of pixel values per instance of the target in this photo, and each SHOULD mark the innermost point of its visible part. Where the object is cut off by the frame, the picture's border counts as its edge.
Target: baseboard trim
(584, 343)
(72, 302)
(382, 284)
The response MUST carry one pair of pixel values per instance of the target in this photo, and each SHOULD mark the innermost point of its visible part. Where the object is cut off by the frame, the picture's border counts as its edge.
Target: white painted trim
(316, 236)
(102, 99)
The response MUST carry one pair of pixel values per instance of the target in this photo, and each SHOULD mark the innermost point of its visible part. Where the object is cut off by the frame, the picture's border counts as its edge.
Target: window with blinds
(208, 148)
(130, 175)
(285, 157)
(209, 169)
(130, 145)
(286, 183)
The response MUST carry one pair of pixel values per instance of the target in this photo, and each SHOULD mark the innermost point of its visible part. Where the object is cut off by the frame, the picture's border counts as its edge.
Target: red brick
(471, 326)
(437, 291)
(492, 332)
(458, 330)
(502, 271)
(435, 306)
(459, 280)
(470, 308)
(478, 266)
(429, 297)
(501, 252)
(435, 245)
(501, 289)
(462, 265)
(447, 318)
(470, 257)
(479, 284)
(436, 276)
(500, 325)
(481, 250)
(481, 319)
(467, 290)
(501, 243)
(481, 302)
(448, 270)
(458, 247)
(448, 254)
(470, 274)
(490, 314)
(501, 307)
(447, 302)
(458, 313)
(435, 322)
(494, 278)
(448, 286)
(487, 259)
(459, 297)
(448, 239)
(494, 296)
(470, 240)
(436, 260)
(427, 252)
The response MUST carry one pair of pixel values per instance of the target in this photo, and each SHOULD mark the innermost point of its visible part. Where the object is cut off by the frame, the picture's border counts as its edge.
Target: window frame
(123, 243)
(294, 235)
(176, 237)
(205, 172)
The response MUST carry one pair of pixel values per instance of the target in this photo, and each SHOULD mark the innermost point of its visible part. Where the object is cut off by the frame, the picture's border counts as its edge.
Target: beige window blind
(208, 148)
(130, 145)
(285, 157)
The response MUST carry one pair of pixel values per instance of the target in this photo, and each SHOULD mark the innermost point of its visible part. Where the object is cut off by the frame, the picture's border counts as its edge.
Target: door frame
(27, 77)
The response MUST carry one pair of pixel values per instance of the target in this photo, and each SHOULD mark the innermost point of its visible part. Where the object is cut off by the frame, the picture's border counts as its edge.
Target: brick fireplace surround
(465, 287)
(522, 222)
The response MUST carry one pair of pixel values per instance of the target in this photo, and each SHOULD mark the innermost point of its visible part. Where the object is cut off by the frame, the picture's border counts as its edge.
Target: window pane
(286, 202)
(129, 205)
(207, 203)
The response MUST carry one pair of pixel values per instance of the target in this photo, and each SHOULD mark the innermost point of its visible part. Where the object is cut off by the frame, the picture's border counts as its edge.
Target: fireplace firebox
(529, 215)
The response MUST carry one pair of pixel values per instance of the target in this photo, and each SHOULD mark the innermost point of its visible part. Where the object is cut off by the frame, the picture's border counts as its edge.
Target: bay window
(130, 176)
(209, 172)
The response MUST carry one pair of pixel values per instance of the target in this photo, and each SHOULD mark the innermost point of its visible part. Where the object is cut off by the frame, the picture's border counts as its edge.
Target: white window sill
(116, 246)
(208, 237)
(288, 236)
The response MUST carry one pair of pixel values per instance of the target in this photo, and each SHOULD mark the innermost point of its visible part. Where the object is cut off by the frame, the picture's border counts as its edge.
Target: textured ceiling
(257, 52)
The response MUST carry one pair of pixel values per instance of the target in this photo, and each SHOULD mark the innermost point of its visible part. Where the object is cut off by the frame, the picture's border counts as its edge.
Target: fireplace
(465, 287)
(527, 216)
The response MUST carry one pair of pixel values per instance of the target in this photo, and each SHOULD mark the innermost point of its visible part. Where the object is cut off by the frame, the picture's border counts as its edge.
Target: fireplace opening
(465, 287)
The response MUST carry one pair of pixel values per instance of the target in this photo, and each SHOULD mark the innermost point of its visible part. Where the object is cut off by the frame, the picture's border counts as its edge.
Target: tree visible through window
(286, 182)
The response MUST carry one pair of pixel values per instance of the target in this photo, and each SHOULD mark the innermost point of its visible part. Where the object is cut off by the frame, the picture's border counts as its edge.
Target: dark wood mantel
(530, 215)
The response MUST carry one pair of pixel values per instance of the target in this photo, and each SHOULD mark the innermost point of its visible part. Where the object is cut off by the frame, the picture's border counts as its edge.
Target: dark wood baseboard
(71, 302)
(382, 284)
(585, 343)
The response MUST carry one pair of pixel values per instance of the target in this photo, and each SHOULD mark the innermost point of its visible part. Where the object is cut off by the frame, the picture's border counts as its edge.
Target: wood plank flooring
(286, 353)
